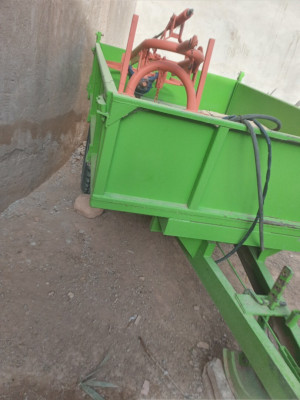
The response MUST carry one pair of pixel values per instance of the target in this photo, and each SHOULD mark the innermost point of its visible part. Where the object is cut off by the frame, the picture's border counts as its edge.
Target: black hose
(158, 35)
(259, 184)
(252, 117)
(259, 215)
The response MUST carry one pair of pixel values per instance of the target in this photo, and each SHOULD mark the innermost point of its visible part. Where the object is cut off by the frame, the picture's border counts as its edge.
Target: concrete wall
(45, 64)
(259, 37)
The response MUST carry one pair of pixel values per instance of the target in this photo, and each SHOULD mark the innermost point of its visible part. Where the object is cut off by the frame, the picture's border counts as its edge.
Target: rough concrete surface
(74, 290)
(45, 62)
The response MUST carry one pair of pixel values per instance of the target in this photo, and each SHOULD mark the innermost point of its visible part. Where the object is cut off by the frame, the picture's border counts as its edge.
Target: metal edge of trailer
(114, 113)
(118, 108)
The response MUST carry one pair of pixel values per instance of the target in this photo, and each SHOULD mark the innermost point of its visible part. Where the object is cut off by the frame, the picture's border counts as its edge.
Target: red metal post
(201, 83)
(125, 65)
(175, 21)
(182, 48)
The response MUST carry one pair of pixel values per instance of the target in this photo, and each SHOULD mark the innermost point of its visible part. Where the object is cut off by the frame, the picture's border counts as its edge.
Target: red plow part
(149, 61)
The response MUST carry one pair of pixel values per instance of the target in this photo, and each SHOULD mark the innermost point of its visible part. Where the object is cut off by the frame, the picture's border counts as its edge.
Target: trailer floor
(73, 290)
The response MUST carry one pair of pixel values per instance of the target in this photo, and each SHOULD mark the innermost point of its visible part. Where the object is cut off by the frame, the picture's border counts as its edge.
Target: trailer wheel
(86, 169)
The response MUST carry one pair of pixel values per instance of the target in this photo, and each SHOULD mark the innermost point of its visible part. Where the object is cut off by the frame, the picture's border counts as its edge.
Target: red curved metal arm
(185, 48)
(172, 67)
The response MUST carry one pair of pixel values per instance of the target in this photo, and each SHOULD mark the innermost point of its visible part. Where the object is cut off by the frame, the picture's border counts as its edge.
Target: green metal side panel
(176, 94)
(211, 102)
(158, 159)
(247, 100)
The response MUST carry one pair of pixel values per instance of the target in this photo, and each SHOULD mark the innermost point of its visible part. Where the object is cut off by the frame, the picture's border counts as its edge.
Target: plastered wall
(45, 62)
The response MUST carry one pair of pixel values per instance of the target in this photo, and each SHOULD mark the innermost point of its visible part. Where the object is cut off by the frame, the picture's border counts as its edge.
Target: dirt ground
(74, 290)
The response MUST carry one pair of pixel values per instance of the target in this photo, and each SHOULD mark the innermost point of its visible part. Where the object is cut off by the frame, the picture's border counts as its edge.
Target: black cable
(259, 184)
(254, 117)
(158, 35)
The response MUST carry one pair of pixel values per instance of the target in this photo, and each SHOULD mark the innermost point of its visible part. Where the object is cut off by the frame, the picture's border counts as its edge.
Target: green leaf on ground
(91, 392)
(102, 384)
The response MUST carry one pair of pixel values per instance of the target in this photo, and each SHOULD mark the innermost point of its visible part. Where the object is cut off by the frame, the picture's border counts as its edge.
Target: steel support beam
(278, 379)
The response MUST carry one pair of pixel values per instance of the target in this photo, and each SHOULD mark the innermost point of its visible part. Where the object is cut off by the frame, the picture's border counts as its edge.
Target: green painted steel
(196, 175)
(242, 378)
(158, 159)
(247, 100)
(271, 367)
(287, 238)
(243, 312)
(262, 282)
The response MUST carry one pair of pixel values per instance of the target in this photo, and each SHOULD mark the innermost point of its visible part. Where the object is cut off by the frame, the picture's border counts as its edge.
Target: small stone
(196, 308)
(219, 383)
(207, 386)
(71, 295)
(203, 345)
(82, 206)
(137, 320)
(145, 388)
(142, 278)
(32, 243)
(51, 293)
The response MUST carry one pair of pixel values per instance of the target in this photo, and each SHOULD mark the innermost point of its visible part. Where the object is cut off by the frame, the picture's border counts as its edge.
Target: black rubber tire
(86, 169)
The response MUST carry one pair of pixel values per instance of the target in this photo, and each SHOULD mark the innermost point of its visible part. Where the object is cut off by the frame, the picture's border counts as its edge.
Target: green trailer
(195, 174)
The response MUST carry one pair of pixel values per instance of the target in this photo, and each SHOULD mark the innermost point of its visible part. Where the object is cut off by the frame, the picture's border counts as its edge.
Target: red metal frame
(204, 71)
(176, 21)
(165, 65)
(193, 57)
(127, 56)
(148, 60)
